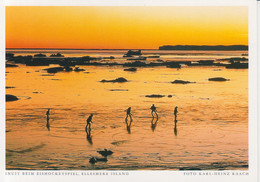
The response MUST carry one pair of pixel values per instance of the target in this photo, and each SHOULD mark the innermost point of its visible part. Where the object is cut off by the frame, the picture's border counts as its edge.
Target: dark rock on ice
(9, 87)
(54, 69)
(57, 55)
(219, 79)
(118, 90)
(9, 98)
(77, 69)
(46, 75)
(135, 64)
(173, 65)
(130, 69)
(92, 160)
(155, 96)
(118, 80)
(237, 65)
(181, 82)
(68, 69)
(105, 152)
(104, 159)
(10, 65)
(39, 55)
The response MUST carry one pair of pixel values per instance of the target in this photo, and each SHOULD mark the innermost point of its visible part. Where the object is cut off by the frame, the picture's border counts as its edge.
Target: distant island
(205, 47)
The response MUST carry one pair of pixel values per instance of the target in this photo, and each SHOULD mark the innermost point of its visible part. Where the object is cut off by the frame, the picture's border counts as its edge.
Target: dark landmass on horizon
(75, 49)
(164, 47)
(205, 47)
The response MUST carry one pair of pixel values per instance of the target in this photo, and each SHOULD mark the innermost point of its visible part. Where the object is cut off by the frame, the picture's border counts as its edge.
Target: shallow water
(211, 133)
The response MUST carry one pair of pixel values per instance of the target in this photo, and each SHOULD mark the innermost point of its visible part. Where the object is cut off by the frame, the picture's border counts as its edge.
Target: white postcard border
(150, 176)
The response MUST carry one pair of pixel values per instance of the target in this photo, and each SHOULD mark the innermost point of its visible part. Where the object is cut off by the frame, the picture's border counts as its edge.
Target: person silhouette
(89, 121)
(175, 113)
(128, 113)
(48, 114)
(48, 119)
(153, 108)
(128, 124)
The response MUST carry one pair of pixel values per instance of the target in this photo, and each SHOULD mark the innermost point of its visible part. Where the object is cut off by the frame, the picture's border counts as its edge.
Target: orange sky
(124, 27)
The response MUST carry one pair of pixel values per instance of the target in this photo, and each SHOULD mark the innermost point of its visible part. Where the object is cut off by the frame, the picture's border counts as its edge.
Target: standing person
(48, 114)
(153, 108)
(48, 118)
(128, 125)
(128, 113)
(175, 113)
(89, 121)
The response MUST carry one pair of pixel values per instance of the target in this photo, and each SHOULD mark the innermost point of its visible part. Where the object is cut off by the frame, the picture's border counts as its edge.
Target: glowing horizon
(124, 27)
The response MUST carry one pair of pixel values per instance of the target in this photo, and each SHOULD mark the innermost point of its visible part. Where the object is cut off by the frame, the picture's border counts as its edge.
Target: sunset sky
(124, 27)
